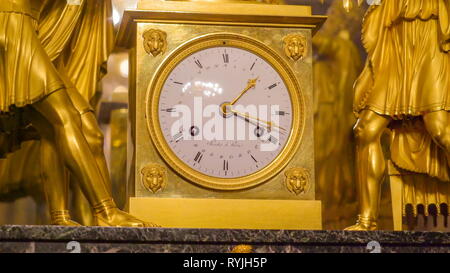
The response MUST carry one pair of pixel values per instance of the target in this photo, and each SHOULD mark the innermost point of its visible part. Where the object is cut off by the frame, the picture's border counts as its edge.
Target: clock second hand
(247, 116)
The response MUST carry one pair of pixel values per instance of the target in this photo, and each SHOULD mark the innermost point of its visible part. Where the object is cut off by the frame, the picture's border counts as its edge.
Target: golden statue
(404, 87)
(51, 54)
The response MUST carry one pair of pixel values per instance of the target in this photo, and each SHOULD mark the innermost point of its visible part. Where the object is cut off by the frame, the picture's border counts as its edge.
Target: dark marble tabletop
(172, 235)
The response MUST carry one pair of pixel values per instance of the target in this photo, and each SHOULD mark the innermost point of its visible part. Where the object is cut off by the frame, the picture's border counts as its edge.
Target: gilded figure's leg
(91, 131)
(370, 167)
(55, 184)
(95, 140)
(59, 113)
(81, 210)
(438, 126)
(54, 178)
(94, 137)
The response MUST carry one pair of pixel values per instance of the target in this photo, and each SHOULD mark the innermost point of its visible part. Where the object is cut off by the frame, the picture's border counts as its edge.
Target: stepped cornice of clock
(226, 7)
(266, 15)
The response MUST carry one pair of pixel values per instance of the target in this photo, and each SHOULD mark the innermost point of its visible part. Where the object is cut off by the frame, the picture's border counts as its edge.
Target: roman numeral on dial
(273, 139)
(225, 166)
(253, 65)
(198, 157)
(169, 110)
(226, 58)
(178, 137)
(198, 63)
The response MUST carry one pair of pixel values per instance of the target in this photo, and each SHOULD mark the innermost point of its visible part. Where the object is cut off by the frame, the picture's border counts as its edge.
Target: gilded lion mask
(297, 180)
(295, 46)
(155, 41)
(154, 177)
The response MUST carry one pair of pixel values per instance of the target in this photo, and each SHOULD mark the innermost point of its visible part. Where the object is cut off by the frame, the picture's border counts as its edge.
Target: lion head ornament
(155, 41)
(154, 177)
(297, 180)
(295, 46)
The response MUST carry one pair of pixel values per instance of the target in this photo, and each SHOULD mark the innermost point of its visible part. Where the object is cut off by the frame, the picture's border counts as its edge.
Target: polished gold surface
(287, 75)
(44, 65)
(225, 213)
(400, 87)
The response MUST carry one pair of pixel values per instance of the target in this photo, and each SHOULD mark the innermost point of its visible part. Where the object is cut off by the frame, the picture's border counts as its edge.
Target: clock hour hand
(250, 84)
(269, 124)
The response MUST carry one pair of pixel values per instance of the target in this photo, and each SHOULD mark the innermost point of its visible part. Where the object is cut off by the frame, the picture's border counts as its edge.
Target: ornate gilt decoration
(242, 249)
(155, 41)
(297, 180)
(295, 46)
(154, 177)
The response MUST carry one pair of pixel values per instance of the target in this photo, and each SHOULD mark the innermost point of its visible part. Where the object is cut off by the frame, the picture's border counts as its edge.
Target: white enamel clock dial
(216, 76)
(225, 112)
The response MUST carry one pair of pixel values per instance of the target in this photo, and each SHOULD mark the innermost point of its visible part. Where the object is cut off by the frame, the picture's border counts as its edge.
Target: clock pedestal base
(229, 213)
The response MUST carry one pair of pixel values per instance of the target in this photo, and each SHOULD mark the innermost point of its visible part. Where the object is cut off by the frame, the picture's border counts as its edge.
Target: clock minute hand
(250, 84)
(268, 123)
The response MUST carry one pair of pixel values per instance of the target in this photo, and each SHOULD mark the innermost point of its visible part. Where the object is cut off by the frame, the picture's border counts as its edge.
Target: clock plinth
(226, 213)
(257, 170)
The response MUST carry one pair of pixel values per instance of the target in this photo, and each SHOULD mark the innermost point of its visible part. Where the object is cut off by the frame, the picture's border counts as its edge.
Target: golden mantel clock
(221, 114)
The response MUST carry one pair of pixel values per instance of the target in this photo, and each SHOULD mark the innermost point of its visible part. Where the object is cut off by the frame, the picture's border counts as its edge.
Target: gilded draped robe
(407, 74)
(45, 46)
